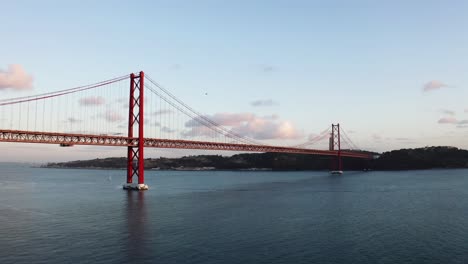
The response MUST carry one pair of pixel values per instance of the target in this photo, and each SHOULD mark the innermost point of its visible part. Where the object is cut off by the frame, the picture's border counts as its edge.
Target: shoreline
(249, 169)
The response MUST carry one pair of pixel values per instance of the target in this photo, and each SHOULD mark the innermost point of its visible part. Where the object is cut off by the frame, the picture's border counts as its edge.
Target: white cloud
(74, 120)
(265, 129)
(15, 77)
(402, 139)
(224, 119)
(447, 112)
(447, 120)
(272, 117)
(451, 120)
(315, 137)
(112, 116)
(166, 129)
(267, 102)
(433, 85)
(162, 112)
(269, 68)
(92, 100)
(245, 124)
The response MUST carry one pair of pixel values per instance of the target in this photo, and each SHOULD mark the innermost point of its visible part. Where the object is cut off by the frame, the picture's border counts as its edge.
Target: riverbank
(403, 159)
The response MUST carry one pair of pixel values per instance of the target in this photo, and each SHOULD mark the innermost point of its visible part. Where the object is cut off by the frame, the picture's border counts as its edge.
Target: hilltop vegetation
(403, 159)
(270, 161)
(422, 158)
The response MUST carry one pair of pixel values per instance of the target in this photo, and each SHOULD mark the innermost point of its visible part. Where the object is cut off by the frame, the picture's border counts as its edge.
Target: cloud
(433, 85)
(466, 110)
(272, 117)
(447, 112)
(73, 120)
(112, 116)
(268, 68)
(314, 137)
(265, 129)
(447, 120)
(245, 124)
(376, 137)
(122, 100)
(267, 102)
(92, 100)
(405, 140)
(223, 119)
(163, 112)
(451, 120)
(166, 129)
(198, 132)
(15, 77)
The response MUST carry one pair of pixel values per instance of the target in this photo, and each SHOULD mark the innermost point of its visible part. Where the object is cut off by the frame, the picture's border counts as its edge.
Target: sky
(392, 73)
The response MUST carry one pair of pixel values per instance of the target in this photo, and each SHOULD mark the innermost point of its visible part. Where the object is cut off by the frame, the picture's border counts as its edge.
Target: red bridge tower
(335, 145)
(135, 157)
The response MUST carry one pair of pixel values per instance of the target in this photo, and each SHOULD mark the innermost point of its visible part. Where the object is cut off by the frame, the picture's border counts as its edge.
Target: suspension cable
(23, 99)
(348, 139)
(202, 118)
(315, 139)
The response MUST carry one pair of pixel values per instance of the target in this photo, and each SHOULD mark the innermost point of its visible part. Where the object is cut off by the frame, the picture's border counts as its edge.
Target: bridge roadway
(20, 136)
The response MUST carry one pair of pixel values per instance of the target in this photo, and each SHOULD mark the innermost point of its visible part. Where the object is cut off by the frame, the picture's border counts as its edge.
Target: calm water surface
(83, 216)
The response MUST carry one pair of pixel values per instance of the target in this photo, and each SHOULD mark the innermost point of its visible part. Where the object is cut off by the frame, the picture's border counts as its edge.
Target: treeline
(272, 161)
(403, 159)
(422, 158)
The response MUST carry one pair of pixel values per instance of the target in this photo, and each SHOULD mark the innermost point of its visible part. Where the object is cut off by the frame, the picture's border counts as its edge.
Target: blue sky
(361, 63)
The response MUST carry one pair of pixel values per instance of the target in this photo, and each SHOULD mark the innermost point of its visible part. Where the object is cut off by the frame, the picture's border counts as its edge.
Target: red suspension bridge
(107, 114)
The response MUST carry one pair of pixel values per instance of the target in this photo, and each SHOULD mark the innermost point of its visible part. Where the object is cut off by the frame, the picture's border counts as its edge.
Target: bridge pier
(135, 157)
(135, 186)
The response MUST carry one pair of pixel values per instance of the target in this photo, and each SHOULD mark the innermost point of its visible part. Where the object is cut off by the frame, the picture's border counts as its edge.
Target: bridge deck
(105, 140)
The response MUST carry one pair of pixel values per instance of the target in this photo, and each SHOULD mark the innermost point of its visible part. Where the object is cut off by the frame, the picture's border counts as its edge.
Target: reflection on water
(137, 226)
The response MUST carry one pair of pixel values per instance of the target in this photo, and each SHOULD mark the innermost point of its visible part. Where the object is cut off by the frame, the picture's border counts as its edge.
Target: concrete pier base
(135, 186)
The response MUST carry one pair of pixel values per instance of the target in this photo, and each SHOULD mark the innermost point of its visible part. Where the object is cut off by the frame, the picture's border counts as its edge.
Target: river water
(83, 216)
